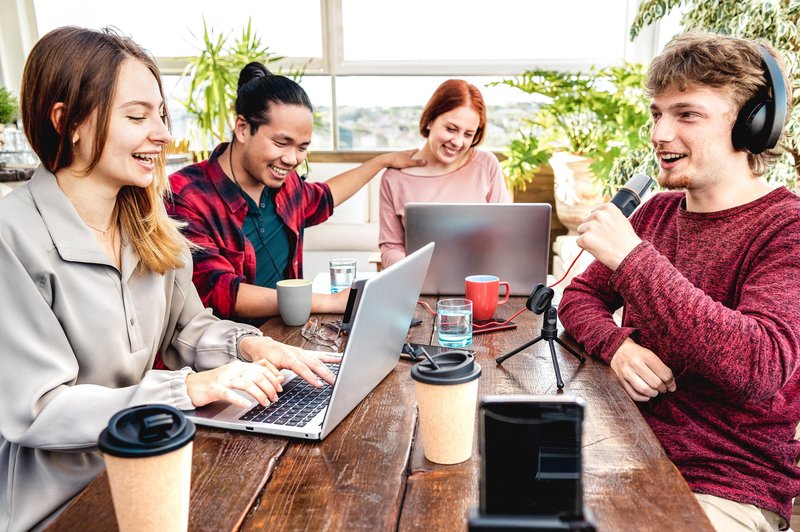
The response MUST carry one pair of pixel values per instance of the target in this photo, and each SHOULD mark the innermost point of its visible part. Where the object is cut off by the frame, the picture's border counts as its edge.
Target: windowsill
(358, 156)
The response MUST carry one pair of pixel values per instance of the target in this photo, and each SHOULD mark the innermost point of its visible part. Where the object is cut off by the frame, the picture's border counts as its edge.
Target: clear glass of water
(343, 273)
(454, 322)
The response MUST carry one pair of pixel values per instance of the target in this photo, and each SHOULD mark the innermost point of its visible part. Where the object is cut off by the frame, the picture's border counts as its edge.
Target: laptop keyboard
(299, 403)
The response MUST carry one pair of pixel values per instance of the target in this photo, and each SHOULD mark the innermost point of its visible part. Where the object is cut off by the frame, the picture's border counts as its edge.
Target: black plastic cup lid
(454, 367)
(146, 430)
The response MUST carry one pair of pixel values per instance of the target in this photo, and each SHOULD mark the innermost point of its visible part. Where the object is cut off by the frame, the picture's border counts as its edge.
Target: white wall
(352, 230)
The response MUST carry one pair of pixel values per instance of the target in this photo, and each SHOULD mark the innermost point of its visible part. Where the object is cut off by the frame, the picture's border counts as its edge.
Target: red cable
(568, 269)
(493, 323)
(427, 307)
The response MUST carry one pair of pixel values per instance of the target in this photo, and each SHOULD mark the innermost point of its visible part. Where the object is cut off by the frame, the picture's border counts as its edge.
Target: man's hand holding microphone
(606, 233)
(609, 237)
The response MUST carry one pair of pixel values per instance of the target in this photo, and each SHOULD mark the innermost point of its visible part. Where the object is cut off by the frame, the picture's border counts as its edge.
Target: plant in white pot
(588, 119)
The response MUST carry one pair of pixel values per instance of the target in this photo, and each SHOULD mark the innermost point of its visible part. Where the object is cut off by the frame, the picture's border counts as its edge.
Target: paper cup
(148, 455)
(447, 397)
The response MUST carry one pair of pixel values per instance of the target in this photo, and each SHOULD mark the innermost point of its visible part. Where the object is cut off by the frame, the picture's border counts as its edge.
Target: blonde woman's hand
(308, 365)
(261, 380)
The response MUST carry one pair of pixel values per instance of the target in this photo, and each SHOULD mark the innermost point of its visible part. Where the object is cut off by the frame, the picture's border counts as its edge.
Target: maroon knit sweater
(717, 297)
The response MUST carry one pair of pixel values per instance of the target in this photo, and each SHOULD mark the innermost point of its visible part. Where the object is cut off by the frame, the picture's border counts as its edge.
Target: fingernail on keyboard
(297, 405)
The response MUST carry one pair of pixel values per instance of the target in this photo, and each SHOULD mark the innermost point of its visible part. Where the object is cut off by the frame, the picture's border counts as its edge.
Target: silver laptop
(509, 240)
(385, 308)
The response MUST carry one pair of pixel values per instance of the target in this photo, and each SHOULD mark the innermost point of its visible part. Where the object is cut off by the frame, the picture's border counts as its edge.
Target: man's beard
(674, 182)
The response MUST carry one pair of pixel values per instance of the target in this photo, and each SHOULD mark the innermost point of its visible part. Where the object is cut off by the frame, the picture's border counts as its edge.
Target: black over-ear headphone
(761, 119)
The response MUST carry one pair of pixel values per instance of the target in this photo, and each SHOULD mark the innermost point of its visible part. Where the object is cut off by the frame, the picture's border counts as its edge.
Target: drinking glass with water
(454, 322)
(343, 273)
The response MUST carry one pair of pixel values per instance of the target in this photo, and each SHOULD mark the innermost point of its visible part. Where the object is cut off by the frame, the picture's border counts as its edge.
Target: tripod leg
(510, 354)
(559, 381)
(571, 351)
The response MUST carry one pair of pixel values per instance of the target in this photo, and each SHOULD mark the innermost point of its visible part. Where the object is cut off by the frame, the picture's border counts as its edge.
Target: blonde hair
(79, 67)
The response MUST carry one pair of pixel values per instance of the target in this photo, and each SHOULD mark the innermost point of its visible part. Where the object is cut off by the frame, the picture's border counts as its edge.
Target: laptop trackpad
(213, 409)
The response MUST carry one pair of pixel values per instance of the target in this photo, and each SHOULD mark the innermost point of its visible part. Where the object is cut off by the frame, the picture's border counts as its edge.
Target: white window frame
(18, 32)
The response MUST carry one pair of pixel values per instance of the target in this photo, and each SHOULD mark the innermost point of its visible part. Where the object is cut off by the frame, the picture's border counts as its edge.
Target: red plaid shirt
(214, 209)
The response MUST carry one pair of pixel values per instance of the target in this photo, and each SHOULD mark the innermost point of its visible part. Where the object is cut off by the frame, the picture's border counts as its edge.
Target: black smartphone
(530, 450)
(351, 307)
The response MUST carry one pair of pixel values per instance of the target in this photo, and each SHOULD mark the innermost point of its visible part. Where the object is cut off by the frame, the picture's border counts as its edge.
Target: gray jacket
(78, 339)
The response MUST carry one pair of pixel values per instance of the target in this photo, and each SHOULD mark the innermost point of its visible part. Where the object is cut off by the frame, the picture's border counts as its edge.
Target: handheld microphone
(629, 196)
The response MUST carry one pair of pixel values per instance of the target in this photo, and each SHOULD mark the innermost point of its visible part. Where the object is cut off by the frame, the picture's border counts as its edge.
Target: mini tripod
(540, 303)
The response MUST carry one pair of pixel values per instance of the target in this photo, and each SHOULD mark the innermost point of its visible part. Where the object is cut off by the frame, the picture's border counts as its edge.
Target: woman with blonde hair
(97, 279)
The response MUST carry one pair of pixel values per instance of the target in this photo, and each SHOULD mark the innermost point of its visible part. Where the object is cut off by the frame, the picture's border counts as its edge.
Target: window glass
(175, 28)
(592, 31)
(382, 112)
(317, 87)
(175, 90)
(319, 92)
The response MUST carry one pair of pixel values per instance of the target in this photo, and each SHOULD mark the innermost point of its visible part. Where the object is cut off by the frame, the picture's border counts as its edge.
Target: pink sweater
(717, 297)
(478, 181)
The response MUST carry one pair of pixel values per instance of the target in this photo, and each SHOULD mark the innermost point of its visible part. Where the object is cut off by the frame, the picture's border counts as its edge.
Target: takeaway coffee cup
(447, 394)
(483, 291)
(148, 455)
(294, 301)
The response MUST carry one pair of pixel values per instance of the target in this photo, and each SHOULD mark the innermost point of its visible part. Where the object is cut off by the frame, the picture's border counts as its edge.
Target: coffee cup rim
(481, 278)
(293, 282)
(456, 366)
(122, 436)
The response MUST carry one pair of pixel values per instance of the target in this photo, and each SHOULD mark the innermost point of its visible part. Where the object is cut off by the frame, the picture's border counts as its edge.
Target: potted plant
(588, 119)
(8, 111)
(774, 22)
(213, 76)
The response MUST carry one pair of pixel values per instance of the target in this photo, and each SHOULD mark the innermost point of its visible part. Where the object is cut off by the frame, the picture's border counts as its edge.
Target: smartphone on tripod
(530, 450)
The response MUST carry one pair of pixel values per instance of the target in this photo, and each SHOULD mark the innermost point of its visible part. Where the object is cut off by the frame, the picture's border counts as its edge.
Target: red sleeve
(317, 203)
(751, 349)
(215, 266)
(586, 310)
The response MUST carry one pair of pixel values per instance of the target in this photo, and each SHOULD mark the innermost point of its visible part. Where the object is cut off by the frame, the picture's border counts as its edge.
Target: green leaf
(213, 75)
(774, 21)
(597, 114)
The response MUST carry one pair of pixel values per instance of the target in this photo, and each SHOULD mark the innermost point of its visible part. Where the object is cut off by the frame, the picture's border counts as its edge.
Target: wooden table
(370, 473)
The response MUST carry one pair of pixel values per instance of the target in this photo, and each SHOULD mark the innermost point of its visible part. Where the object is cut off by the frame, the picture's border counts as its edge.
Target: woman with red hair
(453, 124)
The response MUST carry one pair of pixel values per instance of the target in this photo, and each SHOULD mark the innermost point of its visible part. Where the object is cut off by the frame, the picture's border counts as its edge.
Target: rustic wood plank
(355, 478)
(370, 473)
(229, 467)
(627, 477)
(351, 480)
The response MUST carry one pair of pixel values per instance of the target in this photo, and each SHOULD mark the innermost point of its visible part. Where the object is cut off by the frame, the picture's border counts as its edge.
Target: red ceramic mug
(483, 291)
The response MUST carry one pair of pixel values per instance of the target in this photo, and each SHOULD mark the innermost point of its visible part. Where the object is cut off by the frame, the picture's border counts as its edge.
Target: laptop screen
(509, 240)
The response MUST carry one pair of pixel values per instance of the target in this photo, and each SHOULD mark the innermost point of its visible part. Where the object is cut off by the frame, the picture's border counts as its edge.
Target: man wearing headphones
(708, 274)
